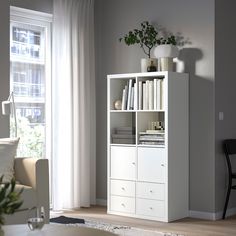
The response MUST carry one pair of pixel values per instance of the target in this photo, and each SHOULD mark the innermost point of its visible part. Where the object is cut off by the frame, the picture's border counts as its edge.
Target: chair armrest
(34, 172)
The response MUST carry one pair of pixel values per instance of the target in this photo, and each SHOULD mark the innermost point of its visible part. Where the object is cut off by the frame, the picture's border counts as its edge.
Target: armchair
(31, 174)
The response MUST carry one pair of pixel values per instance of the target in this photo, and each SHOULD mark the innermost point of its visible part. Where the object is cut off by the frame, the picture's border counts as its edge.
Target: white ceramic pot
(166, 50)
(146, 62)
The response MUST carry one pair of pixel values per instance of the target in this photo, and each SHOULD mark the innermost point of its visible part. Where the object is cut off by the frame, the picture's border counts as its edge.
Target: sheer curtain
(73, 102)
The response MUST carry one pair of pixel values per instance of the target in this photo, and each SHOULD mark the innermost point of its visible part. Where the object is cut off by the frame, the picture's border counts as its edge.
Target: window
(30, 80)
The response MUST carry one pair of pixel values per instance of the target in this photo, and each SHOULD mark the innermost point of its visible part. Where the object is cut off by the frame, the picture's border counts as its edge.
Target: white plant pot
(166, 50)
(146, 62)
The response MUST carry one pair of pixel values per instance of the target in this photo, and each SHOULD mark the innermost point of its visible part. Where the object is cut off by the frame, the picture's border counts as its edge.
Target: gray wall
(225, 95)
(4, 63)
(195, 20)
(36, 5)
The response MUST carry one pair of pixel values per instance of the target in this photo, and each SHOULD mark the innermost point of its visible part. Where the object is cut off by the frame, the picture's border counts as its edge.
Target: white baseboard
(101, 202)
(211, 216)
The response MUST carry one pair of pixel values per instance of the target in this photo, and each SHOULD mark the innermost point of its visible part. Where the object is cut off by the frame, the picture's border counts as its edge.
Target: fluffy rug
(117, 229)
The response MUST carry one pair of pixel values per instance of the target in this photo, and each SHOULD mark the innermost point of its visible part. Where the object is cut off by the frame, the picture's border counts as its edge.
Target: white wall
(195, 20)
(4, 63)
(225, 93)
(36, 5)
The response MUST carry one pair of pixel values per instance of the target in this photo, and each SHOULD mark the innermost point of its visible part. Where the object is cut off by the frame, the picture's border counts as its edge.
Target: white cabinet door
(123, 162)
(151, 164)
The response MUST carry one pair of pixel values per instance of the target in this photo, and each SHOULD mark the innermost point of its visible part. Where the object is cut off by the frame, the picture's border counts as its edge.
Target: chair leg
(227, 198)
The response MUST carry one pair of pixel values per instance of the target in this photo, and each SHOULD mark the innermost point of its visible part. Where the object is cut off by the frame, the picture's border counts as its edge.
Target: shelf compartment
(122, 128)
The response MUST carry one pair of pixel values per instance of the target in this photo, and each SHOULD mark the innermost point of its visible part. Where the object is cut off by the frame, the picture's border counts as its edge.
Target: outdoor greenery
(31, 138)
(9, 199)
(147, 38)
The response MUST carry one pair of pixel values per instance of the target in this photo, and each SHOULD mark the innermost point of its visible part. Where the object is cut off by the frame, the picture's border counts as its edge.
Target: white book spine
(123, 107)
(155, 94)
(144, 96)
(132, 99)
(135, 96)
(158, 91)
(147, 95)
(162, 100)
(129, 94)
(150, 103)
(140, 95)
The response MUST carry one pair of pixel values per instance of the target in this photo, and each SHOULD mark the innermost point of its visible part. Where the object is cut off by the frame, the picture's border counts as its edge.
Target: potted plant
(165, 51)
(146, 38)
(9, 200)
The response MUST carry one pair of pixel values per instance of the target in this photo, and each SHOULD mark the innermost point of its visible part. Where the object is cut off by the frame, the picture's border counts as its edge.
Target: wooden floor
(187, 226)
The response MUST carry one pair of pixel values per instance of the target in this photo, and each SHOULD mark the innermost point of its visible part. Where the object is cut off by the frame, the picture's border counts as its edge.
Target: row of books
(150, 95)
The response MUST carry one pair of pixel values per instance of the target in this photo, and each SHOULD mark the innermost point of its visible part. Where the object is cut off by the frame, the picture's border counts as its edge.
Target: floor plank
(187, 226)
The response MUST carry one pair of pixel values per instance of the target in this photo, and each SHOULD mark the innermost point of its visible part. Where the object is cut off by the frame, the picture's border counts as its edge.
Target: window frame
(35, 18)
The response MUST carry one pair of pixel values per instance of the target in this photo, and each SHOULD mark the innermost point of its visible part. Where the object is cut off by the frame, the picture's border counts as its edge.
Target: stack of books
(124, 135)
(152, 137)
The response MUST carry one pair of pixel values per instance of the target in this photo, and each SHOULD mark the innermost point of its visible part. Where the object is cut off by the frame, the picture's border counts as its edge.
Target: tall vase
(165, 54)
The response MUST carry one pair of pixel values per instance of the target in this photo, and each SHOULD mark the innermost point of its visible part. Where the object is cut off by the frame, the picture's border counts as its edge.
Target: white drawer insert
(123, 204)
(123, 188)
(150, 208)
(151, 191)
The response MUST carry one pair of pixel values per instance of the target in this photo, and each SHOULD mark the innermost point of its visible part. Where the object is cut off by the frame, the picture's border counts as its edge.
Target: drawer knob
(123, 188)
(151, 191)
(150, 208)
(162, 165)
(122, 204)
(133, 163)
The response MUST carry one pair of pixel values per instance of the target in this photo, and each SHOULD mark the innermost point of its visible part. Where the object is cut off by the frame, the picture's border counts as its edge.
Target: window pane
(28, 84)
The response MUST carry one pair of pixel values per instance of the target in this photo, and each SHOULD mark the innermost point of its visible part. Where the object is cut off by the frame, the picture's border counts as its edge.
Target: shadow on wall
(201, 132)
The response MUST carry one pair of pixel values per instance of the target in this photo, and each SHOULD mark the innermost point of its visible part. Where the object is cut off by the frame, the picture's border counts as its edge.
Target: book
(140, 95)
(144, 96)
(158, 94)
(147, 95)
(162, 105)
(129, 94)
(150, 91)
(123, 104)
(155, 94)
(132, 99)
(135, 96)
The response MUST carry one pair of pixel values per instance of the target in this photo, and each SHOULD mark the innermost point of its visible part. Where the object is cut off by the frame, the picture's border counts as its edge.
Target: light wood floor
(187, 226)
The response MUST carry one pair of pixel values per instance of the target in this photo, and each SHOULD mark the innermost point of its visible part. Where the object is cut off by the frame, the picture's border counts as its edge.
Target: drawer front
(123, 162)
(151, 191)
(123, 188)
(151, 164)
(123, 204)
(150, 208)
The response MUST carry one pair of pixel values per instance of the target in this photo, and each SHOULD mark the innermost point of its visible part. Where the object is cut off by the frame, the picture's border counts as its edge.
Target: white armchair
(31, 174)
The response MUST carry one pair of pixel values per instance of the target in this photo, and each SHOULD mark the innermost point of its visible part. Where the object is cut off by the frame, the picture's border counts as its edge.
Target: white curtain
(73, 102)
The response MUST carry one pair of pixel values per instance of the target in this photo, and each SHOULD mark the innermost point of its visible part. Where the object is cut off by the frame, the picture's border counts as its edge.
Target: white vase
(166, 50)
(146, 62)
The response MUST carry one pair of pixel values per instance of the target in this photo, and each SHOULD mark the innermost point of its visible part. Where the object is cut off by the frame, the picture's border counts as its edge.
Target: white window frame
(35, 18)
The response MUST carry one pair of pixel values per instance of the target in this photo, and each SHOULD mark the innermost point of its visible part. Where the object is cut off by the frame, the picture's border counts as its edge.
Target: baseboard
(101, 202)
(211, 216)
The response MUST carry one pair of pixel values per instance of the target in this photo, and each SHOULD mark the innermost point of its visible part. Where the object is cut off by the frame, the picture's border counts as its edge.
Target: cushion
(8, 147)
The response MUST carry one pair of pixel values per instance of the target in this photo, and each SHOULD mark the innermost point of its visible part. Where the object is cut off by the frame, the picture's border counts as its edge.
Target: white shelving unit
(149, 181)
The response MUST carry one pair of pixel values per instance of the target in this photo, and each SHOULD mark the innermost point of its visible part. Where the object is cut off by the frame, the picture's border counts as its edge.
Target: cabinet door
(123, 162)
(151, 164)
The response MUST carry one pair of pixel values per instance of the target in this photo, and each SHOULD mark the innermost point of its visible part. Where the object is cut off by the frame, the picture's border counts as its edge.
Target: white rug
(123, 230)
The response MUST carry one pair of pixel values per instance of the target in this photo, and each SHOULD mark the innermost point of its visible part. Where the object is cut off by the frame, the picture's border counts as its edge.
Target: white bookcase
(149, 179)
